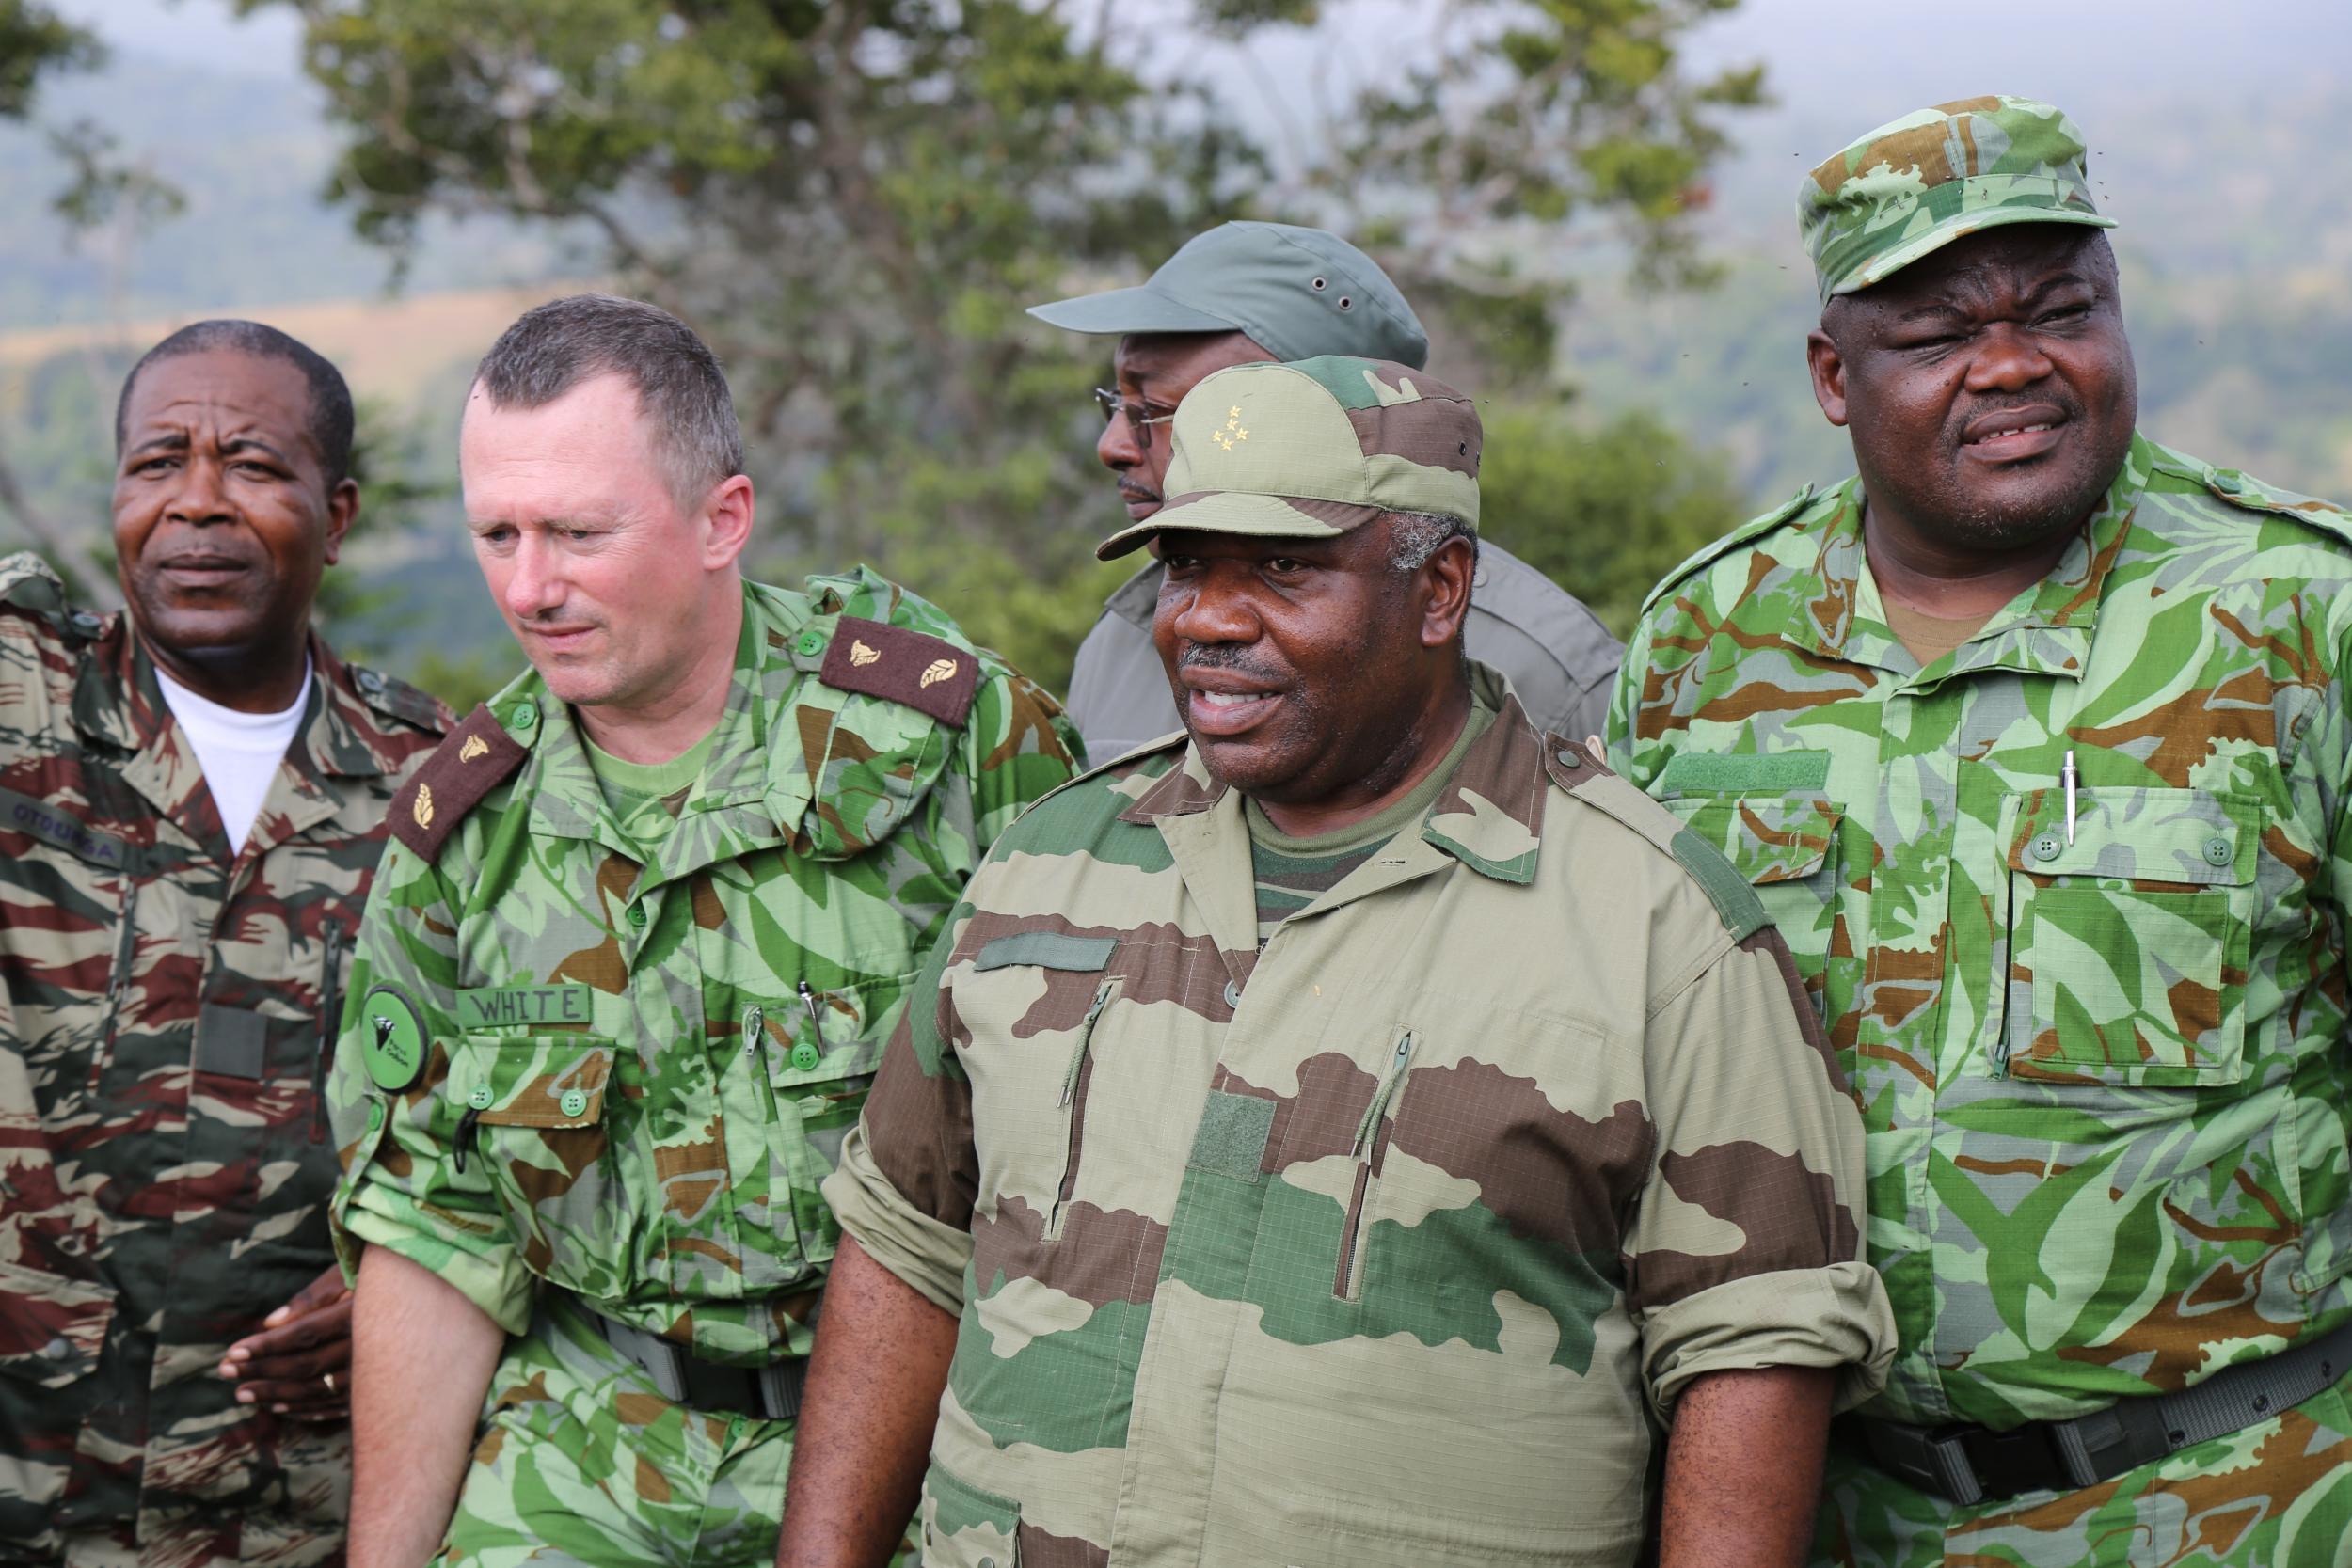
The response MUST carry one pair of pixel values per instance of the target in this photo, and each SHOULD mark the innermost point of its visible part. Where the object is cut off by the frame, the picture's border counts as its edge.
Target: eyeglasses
(1137, 415)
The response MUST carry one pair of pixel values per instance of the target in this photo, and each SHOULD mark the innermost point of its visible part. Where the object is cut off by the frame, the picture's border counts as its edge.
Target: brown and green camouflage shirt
(165, 1164)
(1379, 1246)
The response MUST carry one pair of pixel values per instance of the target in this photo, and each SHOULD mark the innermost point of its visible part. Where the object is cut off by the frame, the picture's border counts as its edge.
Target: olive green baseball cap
(1311, 450)
(1915, 185)
(1297, 293)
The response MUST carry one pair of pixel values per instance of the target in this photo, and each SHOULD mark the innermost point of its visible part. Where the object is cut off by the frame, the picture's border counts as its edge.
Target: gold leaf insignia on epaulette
(861, 653)
(937, 670)
(474, 747)
(422, 810)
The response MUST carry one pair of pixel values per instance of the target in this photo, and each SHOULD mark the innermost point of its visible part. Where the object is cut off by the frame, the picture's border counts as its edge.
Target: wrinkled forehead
(219, 392)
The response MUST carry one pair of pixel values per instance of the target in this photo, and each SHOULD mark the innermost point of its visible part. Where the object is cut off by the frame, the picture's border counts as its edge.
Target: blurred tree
(35, 42)
(854, 200)
(1609, 507)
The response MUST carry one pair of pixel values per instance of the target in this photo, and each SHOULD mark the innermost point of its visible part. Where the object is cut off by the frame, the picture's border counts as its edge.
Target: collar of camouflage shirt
(1835, 609)
(1490, 818)
(117, 701)
(793, 760)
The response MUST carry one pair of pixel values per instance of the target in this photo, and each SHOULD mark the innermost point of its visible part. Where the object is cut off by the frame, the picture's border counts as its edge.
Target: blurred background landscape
(1589, 201)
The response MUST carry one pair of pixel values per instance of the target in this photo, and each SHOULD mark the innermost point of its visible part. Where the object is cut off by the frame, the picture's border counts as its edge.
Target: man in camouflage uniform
(1247, 292)
(2034, 739)
(1340, 1136)
(648, 918)
(168, 966)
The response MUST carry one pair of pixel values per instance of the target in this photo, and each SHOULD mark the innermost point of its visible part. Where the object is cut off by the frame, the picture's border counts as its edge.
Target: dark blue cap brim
(1123, 310)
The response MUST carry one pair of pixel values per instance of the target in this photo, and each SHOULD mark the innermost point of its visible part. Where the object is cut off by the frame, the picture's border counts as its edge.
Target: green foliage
(35, 42)
(855, 202)
(398, 492)
(1608, 507)
(464, 681)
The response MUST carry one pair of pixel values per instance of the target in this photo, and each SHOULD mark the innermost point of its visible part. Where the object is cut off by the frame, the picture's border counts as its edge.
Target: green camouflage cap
(1297, 293)
(1918, 184)
(1311, 450)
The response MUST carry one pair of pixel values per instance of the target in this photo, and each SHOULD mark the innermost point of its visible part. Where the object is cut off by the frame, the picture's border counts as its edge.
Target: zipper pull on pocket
(1369, 1127)
(1086, 1038)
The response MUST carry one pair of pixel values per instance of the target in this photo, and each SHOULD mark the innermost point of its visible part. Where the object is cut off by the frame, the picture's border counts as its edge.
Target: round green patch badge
(393, 1040)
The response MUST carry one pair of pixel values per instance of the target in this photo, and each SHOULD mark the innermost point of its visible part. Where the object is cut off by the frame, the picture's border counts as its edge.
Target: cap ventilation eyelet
(1320, 285)
(1346, 302)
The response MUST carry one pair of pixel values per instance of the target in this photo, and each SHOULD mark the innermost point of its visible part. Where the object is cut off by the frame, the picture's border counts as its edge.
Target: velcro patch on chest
(901, 666)
(477, 757)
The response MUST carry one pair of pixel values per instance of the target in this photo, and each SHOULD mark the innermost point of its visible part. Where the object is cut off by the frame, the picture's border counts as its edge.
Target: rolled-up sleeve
(1746, 1249)
(908, 1175)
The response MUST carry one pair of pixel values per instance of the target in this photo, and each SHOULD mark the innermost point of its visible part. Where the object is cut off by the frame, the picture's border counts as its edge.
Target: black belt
(1967, 1464)
(772, 1392)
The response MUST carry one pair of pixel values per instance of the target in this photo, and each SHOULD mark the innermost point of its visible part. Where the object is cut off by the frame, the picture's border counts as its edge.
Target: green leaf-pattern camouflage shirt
(644, 1051)
(1378, 1247)
(2099, 1053)
(165, 1168)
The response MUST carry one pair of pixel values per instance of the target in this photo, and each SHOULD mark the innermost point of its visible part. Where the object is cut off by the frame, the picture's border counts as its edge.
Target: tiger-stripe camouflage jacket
(165, 1163)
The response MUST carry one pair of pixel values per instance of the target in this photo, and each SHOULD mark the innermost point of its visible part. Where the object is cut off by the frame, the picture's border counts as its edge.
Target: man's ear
(1446, 581)
(727, 513)
(342, 509)
(1828, 366)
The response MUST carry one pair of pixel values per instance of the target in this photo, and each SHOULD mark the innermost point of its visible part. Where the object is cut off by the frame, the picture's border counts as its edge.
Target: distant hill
(249, 155)
(2237, 244)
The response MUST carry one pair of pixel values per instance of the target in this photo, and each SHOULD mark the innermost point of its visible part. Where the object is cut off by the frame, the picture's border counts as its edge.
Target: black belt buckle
(1934, 1460)
(2029, 1458)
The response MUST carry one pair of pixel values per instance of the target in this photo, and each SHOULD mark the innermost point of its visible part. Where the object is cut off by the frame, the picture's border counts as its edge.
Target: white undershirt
(238, 752)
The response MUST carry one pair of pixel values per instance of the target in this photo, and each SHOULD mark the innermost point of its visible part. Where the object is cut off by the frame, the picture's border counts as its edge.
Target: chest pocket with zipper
(2129, 943)
(1037, 1001)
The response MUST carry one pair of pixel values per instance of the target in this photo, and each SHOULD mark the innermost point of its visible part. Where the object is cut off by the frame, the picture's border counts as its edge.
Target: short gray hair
(680, 389)
(1415, 536)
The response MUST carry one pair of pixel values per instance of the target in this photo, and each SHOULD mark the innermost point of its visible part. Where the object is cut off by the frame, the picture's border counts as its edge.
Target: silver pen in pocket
(2068, 776)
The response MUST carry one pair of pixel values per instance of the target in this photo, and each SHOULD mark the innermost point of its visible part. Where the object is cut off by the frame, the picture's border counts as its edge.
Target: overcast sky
(1907, 52)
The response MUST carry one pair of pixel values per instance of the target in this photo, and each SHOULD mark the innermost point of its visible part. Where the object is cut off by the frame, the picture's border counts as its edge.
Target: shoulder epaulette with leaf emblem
(902, 666)
(478, 757)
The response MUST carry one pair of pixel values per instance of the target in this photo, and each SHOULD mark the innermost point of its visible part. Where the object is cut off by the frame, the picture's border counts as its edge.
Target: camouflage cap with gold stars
(1314, 449)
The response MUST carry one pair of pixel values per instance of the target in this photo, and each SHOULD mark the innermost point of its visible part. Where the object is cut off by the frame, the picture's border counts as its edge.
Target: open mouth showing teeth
(1231, 699)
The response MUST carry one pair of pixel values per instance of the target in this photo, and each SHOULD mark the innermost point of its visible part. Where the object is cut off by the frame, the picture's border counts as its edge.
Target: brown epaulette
(902, 666)
(477, 757)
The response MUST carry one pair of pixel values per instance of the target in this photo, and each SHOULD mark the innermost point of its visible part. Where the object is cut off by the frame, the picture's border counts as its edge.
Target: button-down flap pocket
(2130, 943)
(1047, 950)
(966, 1526)
(546, 1081)
(2183, 836)
(831, 1035)
(52, 1328)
